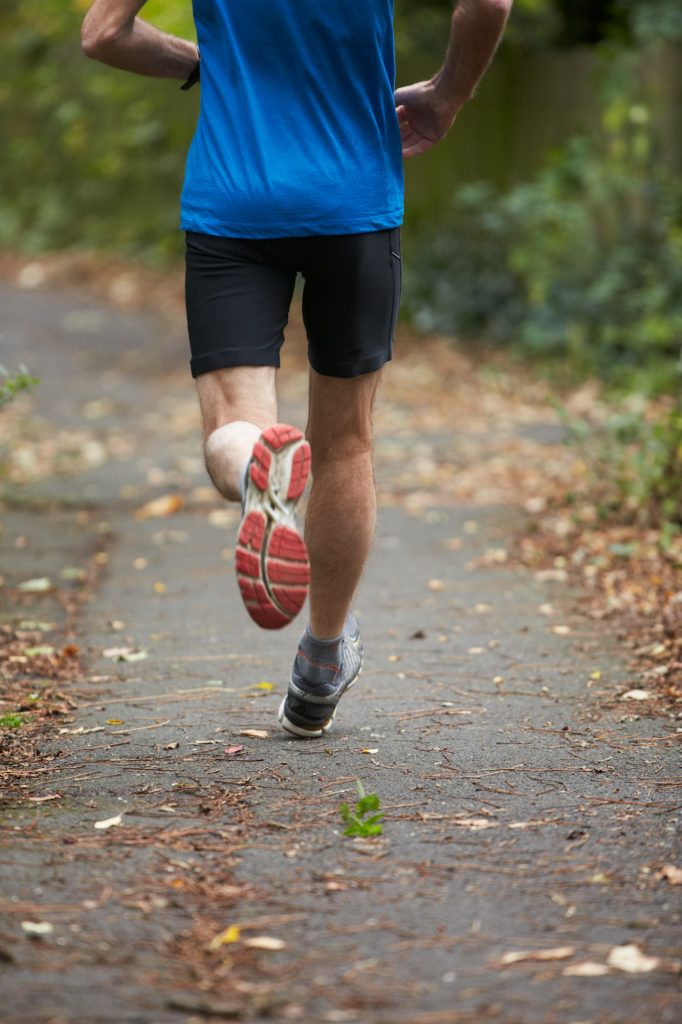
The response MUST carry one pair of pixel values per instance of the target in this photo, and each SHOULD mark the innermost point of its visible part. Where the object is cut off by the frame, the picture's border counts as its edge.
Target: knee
(327, 449)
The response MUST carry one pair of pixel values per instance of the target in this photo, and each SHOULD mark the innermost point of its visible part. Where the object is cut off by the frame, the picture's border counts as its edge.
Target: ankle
(321, 638)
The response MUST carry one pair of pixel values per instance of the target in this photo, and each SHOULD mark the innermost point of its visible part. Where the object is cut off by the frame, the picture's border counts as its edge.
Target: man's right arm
(113, 34)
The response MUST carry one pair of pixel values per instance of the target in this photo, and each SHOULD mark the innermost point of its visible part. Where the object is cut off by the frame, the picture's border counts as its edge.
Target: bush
(584, 262)
(635, 463)
(92, 156)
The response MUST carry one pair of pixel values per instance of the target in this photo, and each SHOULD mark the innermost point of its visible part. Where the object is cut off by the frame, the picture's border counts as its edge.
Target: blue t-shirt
(297, 133)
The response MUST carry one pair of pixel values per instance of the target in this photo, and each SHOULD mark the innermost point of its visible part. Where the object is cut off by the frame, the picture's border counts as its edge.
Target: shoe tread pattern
(271, 558)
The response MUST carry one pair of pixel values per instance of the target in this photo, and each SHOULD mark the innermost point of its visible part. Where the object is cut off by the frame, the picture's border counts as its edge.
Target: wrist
(194, 74)
(448, 99)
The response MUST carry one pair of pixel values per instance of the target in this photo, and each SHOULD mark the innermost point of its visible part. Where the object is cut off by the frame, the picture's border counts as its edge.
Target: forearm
(113, 34)
(475, 31)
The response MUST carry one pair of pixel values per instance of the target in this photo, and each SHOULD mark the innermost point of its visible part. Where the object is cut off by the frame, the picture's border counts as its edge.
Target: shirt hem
(232, 229)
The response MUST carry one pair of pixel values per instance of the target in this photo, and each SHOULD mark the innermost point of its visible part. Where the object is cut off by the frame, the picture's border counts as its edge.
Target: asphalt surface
(528, 808)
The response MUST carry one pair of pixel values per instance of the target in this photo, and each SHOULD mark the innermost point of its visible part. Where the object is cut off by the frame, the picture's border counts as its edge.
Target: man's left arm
(427, 110)
(112, 33)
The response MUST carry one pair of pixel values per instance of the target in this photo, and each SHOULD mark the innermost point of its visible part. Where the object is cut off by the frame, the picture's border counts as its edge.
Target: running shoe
(323, 671)
(271, 558)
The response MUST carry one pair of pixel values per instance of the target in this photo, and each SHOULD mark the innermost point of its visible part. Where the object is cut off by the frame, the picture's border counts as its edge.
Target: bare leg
(237, 404)
(341, 516)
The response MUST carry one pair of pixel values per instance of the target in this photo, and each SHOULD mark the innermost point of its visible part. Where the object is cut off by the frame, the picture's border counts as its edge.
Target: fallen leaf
(263, 686)
(535, 504)
(560, 630)
(454, 543)
(134, 656)
(596, 674)
(37, 928)
(551, 575)
(672, 874)
(233, 750)
(159, 508)
(38, 652)
(109, 822)
(81, 730)
(160, 588)
(586, 969)
(557, 953)
(223, 518)
(435, 585)
(475, 824)
(36, 624)
(171, 746)
(264, 942)
(36, 586)
(370, 750)
(630, 959)
(256, 734)
(72, 573)
(637, 695)
(224, 938)
(124, 654)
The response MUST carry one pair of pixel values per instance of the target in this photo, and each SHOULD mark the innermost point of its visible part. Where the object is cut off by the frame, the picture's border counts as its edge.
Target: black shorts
(239, 290)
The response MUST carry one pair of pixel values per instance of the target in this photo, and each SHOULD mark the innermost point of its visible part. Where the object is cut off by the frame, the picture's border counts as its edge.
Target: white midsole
(297, 730)
(273, 501)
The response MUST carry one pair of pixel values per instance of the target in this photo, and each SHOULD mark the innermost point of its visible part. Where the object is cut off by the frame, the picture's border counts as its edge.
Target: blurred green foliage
(635, 463)
(549, 23)
(583, 263)
(92, 157)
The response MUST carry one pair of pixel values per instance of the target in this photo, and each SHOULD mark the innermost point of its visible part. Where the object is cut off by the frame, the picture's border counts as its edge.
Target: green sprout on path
(11, 385)
(11, 721)
(357, 824)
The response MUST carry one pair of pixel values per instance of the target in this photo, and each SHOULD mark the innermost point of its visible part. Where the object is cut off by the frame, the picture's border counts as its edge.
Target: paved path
(526, 807)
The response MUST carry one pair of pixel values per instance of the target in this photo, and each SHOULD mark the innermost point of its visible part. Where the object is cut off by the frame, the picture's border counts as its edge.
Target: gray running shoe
(323, 671)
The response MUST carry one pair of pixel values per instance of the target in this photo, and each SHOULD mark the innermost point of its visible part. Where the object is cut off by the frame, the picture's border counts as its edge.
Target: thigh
(238, 292)
(350, 301)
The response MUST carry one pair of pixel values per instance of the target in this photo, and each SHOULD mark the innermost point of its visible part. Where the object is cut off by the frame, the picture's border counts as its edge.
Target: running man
(296, 167)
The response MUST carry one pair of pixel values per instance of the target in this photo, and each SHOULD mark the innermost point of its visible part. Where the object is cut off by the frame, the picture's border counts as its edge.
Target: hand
(424, 117)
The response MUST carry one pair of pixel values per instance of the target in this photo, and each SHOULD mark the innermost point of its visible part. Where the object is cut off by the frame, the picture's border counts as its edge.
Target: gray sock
(316, 639)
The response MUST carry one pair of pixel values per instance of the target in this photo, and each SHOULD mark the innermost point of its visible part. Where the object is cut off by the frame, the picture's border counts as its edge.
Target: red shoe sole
(271, 559)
